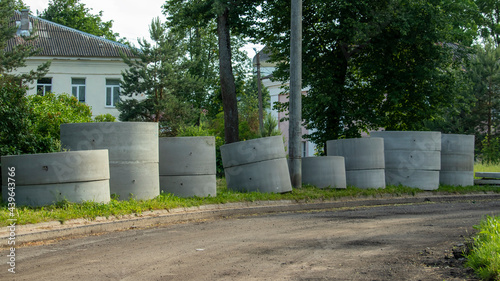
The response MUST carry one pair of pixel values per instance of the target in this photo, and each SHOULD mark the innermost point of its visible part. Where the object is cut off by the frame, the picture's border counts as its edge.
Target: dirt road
(404, 242)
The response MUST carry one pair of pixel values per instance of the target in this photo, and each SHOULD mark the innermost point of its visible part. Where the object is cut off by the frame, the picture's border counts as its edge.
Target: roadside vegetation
(484, 257)
(482, 167)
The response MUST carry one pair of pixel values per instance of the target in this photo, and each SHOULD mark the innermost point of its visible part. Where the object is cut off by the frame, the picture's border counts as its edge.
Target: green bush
(19, 125)
(105, 118)
(490, 153)
(53, 110)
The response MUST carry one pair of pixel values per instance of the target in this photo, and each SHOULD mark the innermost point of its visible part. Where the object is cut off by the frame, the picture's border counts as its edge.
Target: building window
(112, 92)
(78, 88)
(43, 86)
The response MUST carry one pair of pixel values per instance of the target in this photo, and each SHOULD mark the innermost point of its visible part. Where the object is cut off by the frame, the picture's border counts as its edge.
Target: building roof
(55, 40)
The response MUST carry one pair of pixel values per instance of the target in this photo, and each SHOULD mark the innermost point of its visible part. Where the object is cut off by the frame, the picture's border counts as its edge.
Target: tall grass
(484, 257)
(479, 167)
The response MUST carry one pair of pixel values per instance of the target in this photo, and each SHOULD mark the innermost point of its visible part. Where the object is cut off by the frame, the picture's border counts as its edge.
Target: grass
(484, 257)
(63, 211)
(478, 167)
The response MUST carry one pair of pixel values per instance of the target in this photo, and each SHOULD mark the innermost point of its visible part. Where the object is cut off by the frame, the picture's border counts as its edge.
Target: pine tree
(159, 72)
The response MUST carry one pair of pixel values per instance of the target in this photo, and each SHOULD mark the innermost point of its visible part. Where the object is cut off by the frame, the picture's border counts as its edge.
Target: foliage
(490, 152)
(270, 126)
(201, 47)
(18, 128)
(19, 5)
(489, 22)
(370, 64)
(172, 113)
(72, 13)
(484, 257)
(235, 17)
(18, 133)
(104, 118)
(485, 74)
(52, 110)
(159, 71)
(15, 57)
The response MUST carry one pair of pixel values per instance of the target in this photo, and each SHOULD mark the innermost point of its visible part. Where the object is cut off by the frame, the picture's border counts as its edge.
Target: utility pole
(259, 87)
(295, 108)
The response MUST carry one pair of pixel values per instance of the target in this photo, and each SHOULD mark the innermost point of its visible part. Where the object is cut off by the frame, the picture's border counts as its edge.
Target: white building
(86, 66)
(278, 95)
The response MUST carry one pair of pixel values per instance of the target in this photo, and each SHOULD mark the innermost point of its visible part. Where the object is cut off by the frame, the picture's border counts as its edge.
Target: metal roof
(55, 40)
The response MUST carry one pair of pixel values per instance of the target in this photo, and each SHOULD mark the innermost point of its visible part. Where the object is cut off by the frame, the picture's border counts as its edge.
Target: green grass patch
(484, 257)
(478, 167)
(63, 211)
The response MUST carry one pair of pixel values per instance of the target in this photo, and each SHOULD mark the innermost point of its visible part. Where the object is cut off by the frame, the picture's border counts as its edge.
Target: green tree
(159, 71)
(17, 133)
(201, 47)
(249, 108)
(489, 22)
(76, 15)
(20, 5)
(485, 74)
(13, 56)
(229, 16)
(370, 64)
(18, 130)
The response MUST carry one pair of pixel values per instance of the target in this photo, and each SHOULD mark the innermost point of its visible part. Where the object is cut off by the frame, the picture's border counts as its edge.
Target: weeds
(484, 257)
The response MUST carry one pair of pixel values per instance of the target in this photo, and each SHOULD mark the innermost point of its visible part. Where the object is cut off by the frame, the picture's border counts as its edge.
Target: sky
(131, 18)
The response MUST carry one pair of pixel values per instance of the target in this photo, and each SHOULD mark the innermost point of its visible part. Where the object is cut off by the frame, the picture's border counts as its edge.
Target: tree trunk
(228, 89)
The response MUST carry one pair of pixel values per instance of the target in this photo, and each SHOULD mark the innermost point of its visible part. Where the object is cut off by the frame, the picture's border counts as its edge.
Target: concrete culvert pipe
(364, 160)
(457, 160)
(133, 154)
(324, 171)
(256, 165)
(44, 179)
(412, 159)
(188, 166)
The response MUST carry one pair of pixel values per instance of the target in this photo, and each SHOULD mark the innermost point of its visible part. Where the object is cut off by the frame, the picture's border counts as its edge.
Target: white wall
(94, 70)
(274, 91)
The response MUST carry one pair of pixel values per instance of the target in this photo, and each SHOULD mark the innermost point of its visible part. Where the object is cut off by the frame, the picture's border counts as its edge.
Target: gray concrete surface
(133, 154)
(359, 153)
(457, 160)
(189, 186)
(371, 178)
(412, 158)
(256, 165)
(58, 167)
(409, 140)
(252, 151)
(364, 160)
(182, 156)
(188, 166)
(324, 171)
(44, 179)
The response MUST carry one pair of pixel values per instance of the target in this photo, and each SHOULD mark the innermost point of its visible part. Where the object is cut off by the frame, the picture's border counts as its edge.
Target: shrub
(490, 153)
(19, 125)
(53, 110)
(105, 118)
